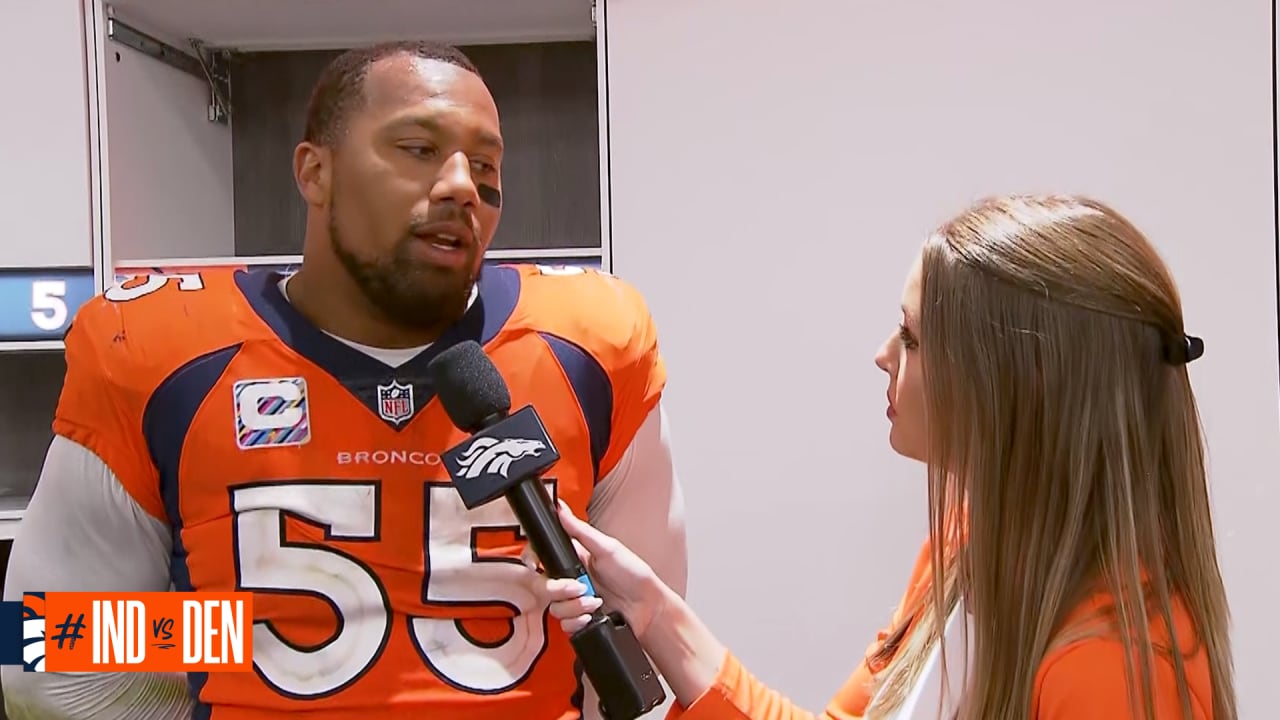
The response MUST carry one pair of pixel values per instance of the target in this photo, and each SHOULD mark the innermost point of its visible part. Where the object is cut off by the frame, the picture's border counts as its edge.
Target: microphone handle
(554, 548)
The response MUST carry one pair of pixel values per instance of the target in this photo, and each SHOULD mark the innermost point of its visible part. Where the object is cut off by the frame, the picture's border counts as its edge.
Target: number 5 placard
(39, 304)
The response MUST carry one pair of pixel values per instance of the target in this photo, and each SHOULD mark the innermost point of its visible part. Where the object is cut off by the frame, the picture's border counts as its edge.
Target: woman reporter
(1039, 373)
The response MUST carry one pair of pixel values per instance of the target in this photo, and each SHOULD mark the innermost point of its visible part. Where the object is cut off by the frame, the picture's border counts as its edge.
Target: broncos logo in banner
(33, 625)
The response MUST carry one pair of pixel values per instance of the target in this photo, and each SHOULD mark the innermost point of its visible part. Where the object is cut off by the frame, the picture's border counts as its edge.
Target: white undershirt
(83, 532)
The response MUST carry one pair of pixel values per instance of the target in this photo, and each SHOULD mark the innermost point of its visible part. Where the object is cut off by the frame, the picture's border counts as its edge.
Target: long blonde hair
(1064, 432)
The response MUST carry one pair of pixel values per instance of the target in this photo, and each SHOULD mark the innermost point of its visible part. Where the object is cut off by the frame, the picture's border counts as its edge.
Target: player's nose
(454, 183)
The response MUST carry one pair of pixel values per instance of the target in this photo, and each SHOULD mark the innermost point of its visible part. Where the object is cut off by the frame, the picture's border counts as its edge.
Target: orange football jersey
(291, 465)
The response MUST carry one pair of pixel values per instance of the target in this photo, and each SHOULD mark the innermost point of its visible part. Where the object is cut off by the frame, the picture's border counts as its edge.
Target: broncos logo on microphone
(491, 455)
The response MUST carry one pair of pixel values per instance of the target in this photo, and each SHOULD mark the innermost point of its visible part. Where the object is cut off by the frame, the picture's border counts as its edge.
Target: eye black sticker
(490, 195)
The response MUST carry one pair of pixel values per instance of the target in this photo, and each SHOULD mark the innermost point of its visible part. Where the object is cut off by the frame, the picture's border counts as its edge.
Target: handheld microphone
(506, 456)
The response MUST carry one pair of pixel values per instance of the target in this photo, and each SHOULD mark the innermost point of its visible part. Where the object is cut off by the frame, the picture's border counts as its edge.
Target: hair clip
(1184, 351)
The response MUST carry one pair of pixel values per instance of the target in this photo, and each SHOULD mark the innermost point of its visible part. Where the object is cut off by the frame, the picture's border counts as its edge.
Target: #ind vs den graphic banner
(128, 632)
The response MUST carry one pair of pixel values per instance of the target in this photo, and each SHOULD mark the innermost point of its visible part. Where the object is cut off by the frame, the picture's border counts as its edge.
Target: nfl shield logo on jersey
(395, 402)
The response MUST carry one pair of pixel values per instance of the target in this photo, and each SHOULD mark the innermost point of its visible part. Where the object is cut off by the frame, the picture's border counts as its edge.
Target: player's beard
(410, 292)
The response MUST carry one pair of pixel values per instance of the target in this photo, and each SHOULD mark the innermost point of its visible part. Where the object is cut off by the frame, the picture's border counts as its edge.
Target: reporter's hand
(681, 647)
(619, 575)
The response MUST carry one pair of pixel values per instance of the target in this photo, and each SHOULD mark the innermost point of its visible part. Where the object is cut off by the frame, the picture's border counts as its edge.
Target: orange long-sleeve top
(1082, 679)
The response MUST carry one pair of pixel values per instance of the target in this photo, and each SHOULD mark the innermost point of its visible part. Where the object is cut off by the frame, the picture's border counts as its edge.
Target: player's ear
(313, 172)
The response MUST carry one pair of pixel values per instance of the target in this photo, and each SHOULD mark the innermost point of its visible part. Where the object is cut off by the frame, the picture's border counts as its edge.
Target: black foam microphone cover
(470, 388)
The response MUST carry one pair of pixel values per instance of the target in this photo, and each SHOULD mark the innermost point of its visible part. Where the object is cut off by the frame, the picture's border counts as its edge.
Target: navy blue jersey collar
(360, 373)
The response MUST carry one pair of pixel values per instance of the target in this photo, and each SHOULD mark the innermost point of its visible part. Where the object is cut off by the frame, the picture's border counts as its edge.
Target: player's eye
(425, 152)
(908, 340)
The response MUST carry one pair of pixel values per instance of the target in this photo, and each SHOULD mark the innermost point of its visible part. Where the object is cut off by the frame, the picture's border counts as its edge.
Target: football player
(246, 430)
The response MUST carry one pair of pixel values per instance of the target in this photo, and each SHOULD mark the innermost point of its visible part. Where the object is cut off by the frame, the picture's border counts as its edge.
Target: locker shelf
(305, 24)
